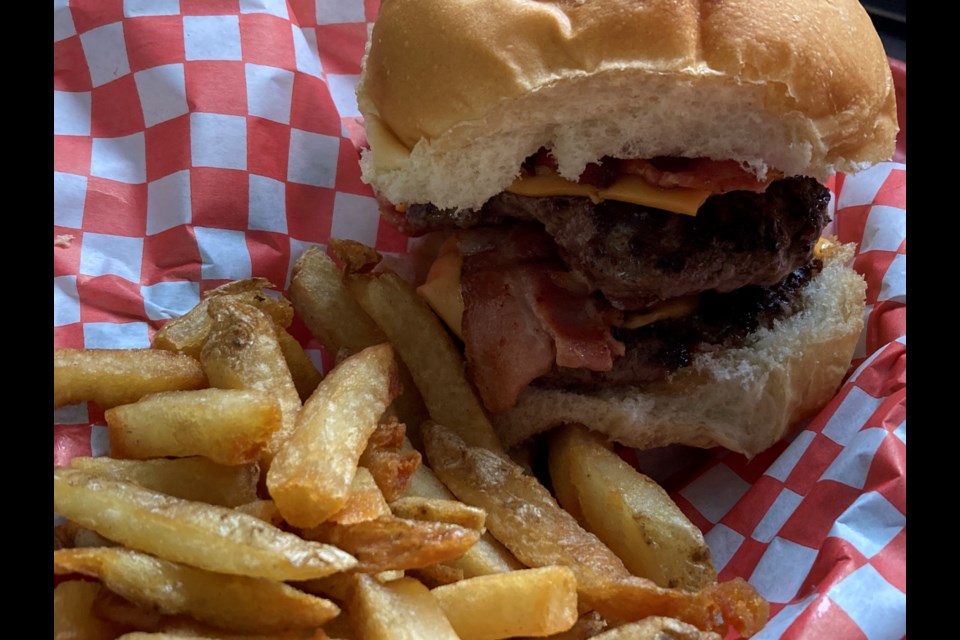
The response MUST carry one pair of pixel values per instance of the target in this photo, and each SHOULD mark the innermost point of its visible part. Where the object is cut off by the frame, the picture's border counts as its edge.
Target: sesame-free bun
(744, 399)
(456, 93)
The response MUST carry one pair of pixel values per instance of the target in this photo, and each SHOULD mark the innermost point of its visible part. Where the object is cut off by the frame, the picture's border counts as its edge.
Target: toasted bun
(456, 93)
(743, 399)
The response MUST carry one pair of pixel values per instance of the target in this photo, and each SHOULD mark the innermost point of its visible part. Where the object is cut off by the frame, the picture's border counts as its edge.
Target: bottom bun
(743, 399)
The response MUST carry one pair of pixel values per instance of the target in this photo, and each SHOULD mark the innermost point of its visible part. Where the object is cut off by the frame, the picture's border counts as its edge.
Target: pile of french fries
(247, 496)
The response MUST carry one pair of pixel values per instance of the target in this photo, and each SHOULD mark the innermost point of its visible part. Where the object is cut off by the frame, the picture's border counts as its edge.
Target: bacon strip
(580, 332)
(523, 314)
(715, 176)
(505, 342)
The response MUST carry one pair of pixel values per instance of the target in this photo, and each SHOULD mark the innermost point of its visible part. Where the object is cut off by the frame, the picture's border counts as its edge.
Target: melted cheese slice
(391, 154)
(631, 189)
(441, 289)
(665, 310)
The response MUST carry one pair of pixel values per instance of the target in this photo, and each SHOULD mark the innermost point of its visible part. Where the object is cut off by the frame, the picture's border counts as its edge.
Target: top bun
(456, 93)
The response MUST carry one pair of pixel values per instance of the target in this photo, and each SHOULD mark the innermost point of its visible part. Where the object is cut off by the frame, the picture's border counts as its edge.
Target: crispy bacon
(523, 314)
(715, 176)
(504, 341)
(579, 328)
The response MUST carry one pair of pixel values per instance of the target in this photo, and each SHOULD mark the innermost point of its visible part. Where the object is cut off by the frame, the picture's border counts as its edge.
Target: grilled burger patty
(635, 255)
(721, 319)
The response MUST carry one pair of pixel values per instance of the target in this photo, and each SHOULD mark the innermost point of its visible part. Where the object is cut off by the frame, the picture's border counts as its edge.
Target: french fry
(384, 456)
(657, 628)
(198, 632)
(265, 510)
(112, 377)
(71, 535)
(311, 474)
(436, 510)
(333, 317)
(338, 586)
(205, 536)
(365, 502)
(153, 625)
(340, 627)
(529, 602)
(242, 352)
(236, 603)
(399, 610)
(519, 511)
(305, 375)
(487, 556)
(228, 426)
(72, 613)
(114, 607)
(194, 478)
(390, 543)
(187, 333)
(481, 478)
(425, 346)
(587, 625)
(438, 574)
(628, 511)
(190, 547)
(327, 308)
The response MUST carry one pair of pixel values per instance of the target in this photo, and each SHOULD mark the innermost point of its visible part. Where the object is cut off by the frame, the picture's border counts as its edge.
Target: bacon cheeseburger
(635, 189)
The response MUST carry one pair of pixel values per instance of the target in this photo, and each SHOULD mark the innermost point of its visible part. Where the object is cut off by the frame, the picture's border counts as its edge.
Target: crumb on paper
(63, 240)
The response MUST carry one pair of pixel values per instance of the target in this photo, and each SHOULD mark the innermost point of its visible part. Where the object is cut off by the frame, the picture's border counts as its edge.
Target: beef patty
(721, 319)
(636, 255)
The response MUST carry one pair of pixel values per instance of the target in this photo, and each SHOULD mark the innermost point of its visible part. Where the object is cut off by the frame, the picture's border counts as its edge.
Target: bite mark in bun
(635, 193)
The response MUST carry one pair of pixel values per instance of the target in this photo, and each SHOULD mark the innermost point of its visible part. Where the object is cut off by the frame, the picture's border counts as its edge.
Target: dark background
(890, 19)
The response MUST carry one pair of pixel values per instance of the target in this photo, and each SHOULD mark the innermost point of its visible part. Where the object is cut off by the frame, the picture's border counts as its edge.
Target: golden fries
(187, 333)
(195, 478)
(519, 511)
(112, 377)
(71, 535)
(229, 426)
(265, 510)
(365, 502)
(399, 610)
(333, 316)
(657, 628)
(115, 608)
(194, 533)
(232, 602)
(529, 602)
(72, 615)
(436, 510)
(384, 456)
(179, 630)
(305, 375)
(390, 543)
(311, 475)
(485, 557)
(242, 352)
(231, 492)
(628, 511)
(327, 308)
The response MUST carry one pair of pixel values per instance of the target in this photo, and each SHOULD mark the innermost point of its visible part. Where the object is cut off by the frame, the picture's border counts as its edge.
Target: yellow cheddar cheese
(665, 310)
(633, 189)
(441, 289)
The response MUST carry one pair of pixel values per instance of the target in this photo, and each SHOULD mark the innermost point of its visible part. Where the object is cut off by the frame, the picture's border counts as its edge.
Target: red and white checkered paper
(201, 141)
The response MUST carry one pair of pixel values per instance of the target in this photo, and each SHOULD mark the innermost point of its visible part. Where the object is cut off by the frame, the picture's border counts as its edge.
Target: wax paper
(201, 141)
